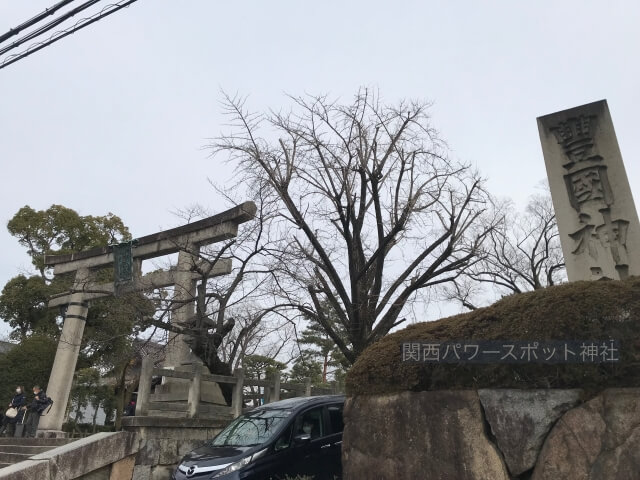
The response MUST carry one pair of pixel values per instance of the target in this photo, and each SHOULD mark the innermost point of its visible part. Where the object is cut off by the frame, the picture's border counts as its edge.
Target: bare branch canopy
(372, 210)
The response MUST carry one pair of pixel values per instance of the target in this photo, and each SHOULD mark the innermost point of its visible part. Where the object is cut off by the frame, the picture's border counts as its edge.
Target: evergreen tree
(321, 348)
(112, 323)
(260, 367)
(307, 367)
(27, 364)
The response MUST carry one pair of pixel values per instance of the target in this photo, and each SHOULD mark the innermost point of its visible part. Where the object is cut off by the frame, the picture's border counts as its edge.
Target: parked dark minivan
(298, 436)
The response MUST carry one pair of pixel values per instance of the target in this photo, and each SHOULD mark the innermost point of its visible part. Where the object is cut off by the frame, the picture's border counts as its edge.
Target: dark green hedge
(573, 311)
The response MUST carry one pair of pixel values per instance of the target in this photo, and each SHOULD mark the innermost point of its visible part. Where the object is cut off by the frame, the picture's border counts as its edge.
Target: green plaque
(123, 263)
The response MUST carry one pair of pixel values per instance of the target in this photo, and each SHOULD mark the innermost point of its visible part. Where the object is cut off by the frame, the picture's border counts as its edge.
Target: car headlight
(234, 467)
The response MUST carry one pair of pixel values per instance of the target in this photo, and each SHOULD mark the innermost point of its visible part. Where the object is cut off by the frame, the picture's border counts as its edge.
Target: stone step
(14, 457)
(14, 450)
(52, 442)
(30, 449)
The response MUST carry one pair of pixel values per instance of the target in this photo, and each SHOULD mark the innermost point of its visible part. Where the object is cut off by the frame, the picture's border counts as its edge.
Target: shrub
(573, 311)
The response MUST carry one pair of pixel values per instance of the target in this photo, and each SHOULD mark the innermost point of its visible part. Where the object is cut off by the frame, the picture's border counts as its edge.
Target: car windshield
(254, 428)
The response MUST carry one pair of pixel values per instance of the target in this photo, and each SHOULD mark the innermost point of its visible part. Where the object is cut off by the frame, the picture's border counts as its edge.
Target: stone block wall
(493, 434)
(164, 441)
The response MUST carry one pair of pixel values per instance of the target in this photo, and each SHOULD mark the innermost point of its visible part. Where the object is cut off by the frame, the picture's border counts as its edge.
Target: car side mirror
(302, 439)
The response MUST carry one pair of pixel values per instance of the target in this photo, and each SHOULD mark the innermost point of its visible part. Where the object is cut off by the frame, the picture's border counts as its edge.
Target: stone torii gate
(185, 240)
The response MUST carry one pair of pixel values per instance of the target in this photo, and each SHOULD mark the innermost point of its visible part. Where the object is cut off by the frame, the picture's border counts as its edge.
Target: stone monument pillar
(64, 364)
(596, 215)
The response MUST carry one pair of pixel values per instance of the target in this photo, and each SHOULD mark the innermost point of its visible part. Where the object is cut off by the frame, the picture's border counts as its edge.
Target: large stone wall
(597, 440)
(493, 435)
(418, 435)
(164, 441)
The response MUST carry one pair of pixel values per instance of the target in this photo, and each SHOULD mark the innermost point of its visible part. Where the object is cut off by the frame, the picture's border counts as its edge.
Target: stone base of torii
(186, 241)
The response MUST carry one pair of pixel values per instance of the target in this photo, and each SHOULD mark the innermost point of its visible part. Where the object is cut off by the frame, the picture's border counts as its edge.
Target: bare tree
(372, 211)
(522, 253)
(275, 338)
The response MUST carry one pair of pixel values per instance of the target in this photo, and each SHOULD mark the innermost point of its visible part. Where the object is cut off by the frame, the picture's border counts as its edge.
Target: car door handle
(325, 446)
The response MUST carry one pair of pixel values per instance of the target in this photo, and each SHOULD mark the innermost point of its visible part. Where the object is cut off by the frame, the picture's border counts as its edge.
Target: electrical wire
(49, 26)
(85, 22)
(32, 21)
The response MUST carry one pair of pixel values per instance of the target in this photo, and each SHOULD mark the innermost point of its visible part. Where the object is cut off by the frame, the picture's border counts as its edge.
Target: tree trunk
(325, 364)
(95, 415)
(75, 422)
(216, 366)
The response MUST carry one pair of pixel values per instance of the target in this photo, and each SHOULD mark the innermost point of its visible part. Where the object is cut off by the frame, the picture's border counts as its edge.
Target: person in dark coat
(36, 409)
(17, 403)
(130, 409)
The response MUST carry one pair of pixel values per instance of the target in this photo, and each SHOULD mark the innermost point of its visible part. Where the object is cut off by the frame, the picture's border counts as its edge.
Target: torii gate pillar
(60, 381)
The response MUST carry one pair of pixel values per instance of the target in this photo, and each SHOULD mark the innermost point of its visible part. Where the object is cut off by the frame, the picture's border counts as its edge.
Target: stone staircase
(14, 450)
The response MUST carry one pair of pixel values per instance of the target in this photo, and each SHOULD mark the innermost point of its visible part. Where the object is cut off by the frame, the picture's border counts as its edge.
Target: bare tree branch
(369, 208)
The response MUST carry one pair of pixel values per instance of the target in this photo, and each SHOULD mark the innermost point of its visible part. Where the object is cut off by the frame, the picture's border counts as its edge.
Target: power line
(49, 26)
(33, 48)
(34, 20)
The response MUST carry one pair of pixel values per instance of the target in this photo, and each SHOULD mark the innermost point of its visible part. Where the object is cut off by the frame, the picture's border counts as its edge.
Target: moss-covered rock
(573, 311)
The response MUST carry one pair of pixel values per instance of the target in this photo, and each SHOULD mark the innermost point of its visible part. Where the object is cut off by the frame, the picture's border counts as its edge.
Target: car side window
(335, 418)
(284, 440)
(310, 423)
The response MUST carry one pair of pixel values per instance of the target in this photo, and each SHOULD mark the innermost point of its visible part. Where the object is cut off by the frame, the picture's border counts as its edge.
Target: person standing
(38, 406)
(17, 404)
(130, 409)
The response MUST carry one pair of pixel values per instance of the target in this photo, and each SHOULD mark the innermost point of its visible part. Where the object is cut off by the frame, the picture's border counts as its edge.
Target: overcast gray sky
(114, 118)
